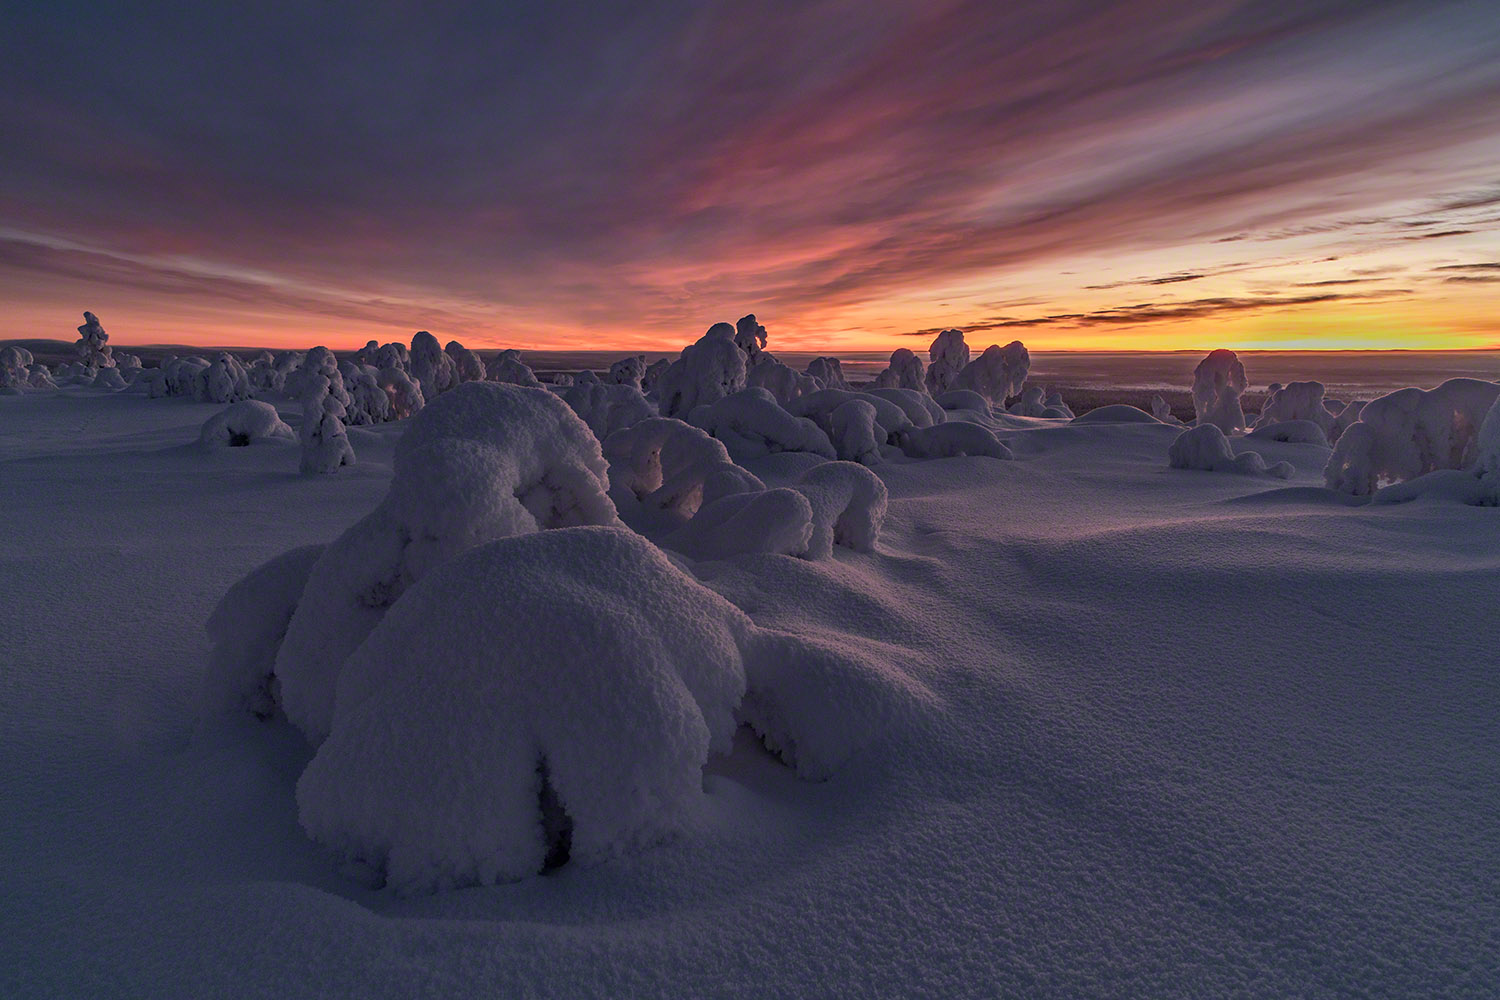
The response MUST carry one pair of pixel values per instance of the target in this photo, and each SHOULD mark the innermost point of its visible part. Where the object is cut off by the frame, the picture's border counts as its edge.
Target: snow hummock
(1218, 382)
(1207, 449)
(244, 423)
(482, 461)
(1409, 432)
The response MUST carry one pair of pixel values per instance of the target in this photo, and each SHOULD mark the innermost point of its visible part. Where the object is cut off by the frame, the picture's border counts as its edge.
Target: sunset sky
(1149, 174)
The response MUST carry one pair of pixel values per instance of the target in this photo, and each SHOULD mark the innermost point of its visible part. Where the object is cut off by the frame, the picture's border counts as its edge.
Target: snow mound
(952, 439)
(1447, 485)
(947, 355)
(482, 462)
(906, 371)
(708, 370)
(1115, 413)
(963, 399)
(1409, 432)
(1206, 448)
(998, 373)
(1218, 382)
(1162, 410)
(1297, 401)
(776, 522)
(403, 392)
(848, 507)
(368, 402)
(246, 629)
(109, 378)
(608, 406)
(1293, 431)
(470, 746)
(819, 407)
(243, 423)
(664, 464)
(752, 424)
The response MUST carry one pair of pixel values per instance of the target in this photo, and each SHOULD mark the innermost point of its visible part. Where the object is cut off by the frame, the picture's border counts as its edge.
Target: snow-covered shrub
(1409, 432)
(608, 407)
(781, 381)
(776, 522)
(325, 443)
(430, 366)
(402, 391)
(664, 464)
(263, 374)
(1162, 410)
(921, 409)
(954, 400)
(222, 380)
(1115, 413)
(368, 402)
(1218, 382)
(243, 423)
(628, 371)
(246, 629)
(1205, 447)
(947, 357)
(653, 374)
(1056, 407)
(481, 462)
(1030, 404)
(708, 370)
(366, 355)
(392, 355)
(890, 418)
(16, 372)
(586, 377)
(828, 373)
(1296, 401)
(905, 371)
(952, 439)
(854, 429)
(1290, 431)
(1348, 413)
(507, 366)
(848, 507)
(750, 337)
(465, 362)
(109, 379)
(180, 376)
(752, 424)
(39, 377)
(998, 373)
(560, 380)
(93, 343)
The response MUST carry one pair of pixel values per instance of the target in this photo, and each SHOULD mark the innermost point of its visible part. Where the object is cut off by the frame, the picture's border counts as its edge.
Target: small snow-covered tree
(829, 373)
(507, 366)
(431, 367)
(750, 337)
(1411, 432)
(465, 362)
(1218, 382)
(325, 443)
(707, 370)
(93, 343)
(906, 371)
(946, 358)
(997, 374)
(628, 371)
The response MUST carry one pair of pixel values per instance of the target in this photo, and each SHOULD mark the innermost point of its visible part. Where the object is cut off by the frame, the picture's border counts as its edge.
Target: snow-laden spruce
(708, 370)
(1296, 401)
(628, 371)
(946, 357)
(507, 366)
(431, 366)
(828, 372)
(750, 337)
(1218, 382)
(751, 424)
(1206, 448)
(1410, 432)
(244, 423)
(482, 461)
(905, 371)
(465, 362)
(998, 373)
(325, 442)
(93, 343)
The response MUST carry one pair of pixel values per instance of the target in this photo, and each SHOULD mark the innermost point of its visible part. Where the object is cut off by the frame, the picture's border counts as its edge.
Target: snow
(507, 366)
(947, 356)
(244, 423)
(751, 423)
(1115, 413)
(1301, 401)
(706, 371)
(996, 374)
(827, 372)
(1206, 449)
(431, 366)
(1218, 382)
(905, 371)
(628, 371)
(1076, 725)
(1409, 432)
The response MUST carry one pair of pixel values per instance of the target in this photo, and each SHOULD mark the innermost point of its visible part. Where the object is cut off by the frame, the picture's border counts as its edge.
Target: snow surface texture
(1410, 432)
(1207, 449)
(484, 461)
(244, 423)
(1218, 382)
(1101, 794)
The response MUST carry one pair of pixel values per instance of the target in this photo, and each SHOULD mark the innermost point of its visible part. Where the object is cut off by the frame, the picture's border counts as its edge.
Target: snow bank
(243, 423)
(1409, 432)
(963, 399)
(1206, 448)
(952, 439)
(246, 629)
(708, 370)
(998, 373)
(848, 507)
(1218, 382)
(905, 371)
(481, 462)
(470, 745)
(947, 355)
(507, 366)
(776, 522)
(751, 424)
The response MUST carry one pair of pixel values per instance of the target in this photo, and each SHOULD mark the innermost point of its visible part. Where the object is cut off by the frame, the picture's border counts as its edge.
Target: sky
(1140, 175)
